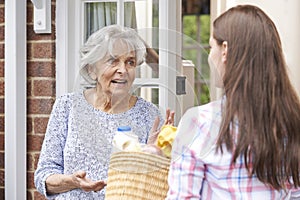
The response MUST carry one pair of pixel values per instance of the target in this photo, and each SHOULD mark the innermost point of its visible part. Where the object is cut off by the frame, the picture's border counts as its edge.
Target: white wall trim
(61, 47)
(15, 99)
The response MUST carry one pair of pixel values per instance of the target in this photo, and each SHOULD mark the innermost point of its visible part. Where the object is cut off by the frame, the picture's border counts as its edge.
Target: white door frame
(15, 99)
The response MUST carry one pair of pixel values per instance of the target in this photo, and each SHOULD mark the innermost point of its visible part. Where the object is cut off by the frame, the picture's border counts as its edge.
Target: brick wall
(40, 93)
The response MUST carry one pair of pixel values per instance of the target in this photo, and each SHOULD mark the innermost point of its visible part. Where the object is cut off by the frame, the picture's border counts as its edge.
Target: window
(196, 31)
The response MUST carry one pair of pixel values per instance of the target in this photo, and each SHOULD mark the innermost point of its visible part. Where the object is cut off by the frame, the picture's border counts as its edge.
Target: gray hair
(100, 43)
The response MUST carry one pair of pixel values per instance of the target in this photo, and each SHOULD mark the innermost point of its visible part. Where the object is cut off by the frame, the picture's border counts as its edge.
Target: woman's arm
(58, 183)
(186, 170)
(51, 156)
(295, 194)
(50, 179)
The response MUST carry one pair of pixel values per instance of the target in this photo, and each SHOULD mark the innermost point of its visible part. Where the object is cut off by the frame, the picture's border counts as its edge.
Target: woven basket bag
(137, 176)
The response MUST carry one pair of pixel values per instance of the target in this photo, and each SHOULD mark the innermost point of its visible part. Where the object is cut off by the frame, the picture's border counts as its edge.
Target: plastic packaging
(125, 140)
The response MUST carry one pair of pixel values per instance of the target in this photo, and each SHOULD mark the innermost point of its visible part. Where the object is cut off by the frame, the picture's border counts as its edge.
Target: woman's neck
(109, 103)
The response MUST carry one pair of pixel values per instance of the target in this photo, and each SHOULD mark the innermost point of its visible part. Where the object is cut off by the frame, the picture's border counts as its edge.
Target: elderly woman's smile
(119, 81)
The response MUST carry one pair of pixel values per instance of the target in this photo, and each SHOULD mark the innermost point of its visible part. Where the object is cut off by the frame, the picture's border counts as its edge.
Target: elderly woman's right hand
(59, 183)
(86, 184)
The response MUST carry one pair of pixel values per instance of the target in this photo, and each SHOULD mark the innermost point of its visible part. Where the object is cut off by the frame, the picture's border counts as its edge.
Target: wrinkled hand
(86, 184)
(169, 117)
(154, 130)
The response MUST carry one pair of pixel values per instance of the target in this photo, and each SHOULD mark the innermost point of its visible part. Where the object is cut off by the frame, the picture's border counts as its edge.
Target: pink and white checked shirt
(198, 172)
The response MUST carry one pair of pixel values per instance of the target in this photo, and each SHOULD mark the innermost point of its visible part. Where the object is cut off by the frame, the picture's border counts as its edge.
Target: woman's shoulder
(198, 129)
(213, 106)
(209, 111)
(141, 102)
(65, 101)
(69, 96)
(145, 108)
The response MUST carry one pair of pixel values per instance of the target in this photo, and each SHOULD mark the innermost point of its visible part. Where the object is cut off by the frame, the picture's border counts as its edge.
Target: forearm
(58, 183)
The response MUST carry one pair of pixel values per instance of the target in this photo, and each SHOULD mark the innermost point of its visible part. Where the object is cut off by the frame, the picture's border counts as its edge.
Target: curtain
(129, 15)
(100, 14)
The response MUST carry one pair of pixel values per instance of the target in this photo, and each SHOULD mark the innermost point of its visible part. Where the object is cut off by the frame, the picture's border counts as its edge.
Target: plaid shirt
(199, 172)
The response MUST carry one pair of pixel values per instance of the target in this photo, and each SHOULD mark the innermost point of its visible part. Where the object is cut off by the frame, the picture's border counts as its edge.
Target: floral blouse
(79, 137)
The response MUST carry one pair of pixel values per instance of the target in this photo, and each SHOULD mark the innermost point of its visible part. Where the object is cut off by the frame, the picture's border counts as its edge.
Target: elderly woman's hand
(155, 131)
(58, 183)
(169, 117)
(86, 184)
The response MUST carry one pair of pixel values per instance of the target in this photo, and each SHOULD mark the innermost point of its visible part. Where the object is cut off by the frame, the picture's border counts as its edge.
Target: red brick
(53, 9)
(40, 124)
(39, 106)
(36, 160)
(30, 180)
(2, 194)
(29, 12)
(2, 51)
(44, 88)
(1, 33)
(29, 88)
(29, 195)
(40, 69)
(1, 88)
(2, 160)
(2, 105)
(2, 179)
(41, 50)
(2, 124)
(1, 68)
(38, 196)
(29, 125)
(30, 162)
(2, 11)
(34, 142)
(32, 36)
(1, 142)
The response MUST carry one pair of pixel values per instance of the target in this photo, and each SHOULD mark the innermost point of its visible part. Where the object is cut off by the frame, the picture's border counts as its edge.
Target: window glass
(130, 15)
(143, 16)
(196, 31)
(146, 12)
(98, 15)
(151, 92)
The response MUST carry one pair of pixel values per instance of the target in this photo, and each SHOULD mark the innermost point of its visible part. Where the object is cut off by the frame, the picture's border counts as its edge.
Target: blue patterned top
(79, 137)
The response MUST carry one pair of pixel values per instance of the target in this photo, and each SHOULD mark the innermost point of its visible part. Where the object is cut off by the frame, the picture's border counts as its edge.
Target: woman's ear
(224, 51)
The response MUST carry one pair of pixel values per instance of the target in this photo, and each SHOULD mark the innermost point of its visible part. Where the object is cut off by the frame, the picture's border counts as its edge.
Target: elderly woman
(76, 150)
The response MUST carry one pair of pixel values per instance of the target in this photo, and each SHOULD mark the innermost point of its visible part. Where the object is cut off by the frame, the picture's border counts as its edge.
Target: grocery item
(165, 139)
(125, 140)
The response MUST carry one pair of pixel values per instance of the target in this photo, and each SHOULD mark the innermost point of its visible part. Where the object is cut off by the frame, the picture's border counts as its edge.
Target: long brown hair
(260, 99)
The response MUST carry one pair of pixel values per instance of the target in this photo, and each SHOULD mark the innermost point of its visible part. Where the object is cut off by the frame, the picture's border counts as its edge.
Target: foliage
(196, 30)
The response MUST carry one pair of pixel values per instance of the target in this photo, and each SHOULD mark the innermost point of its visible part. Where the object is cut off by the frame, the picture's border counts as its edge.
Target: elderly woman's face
(116, 72)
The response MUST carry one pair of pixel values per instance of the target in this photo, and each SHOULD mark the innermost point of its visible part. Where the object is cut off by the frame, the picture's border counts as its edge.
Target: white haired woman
(74, 159)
